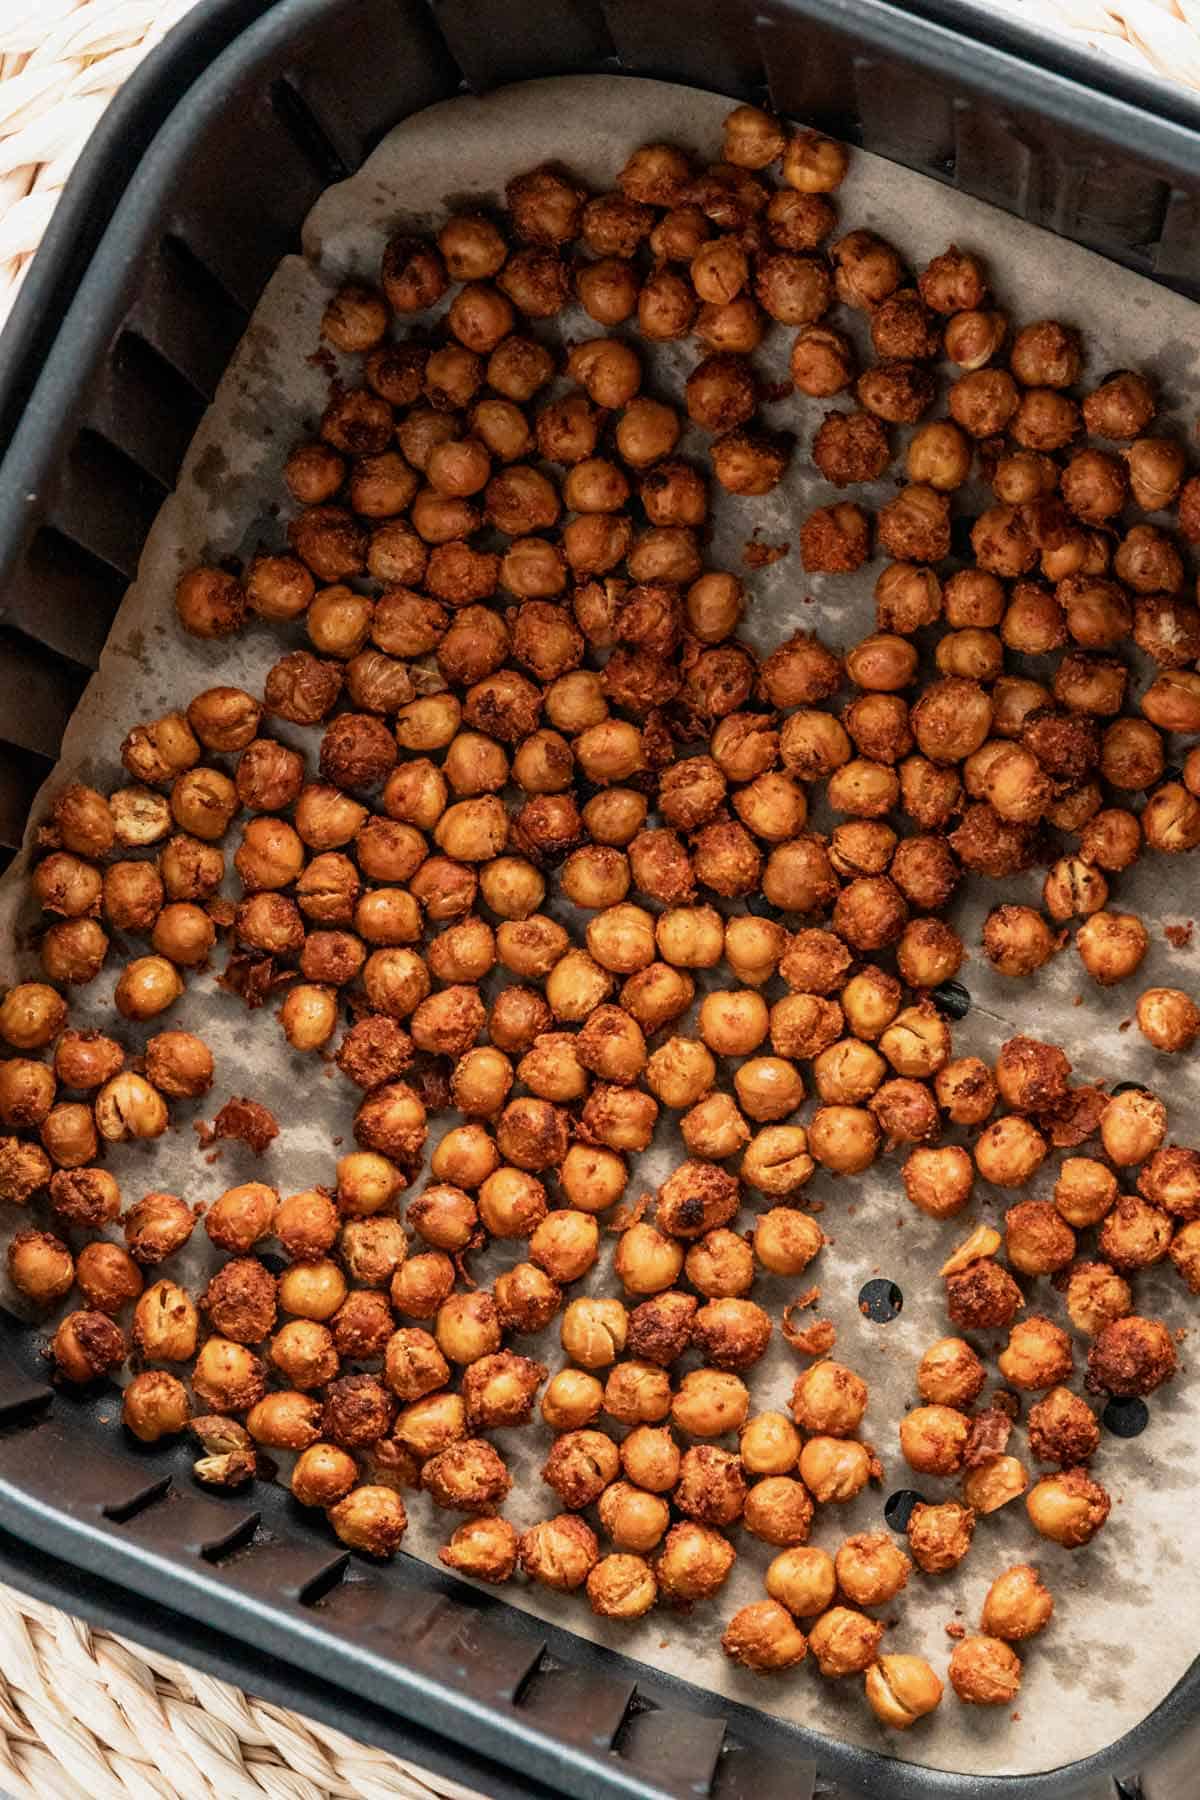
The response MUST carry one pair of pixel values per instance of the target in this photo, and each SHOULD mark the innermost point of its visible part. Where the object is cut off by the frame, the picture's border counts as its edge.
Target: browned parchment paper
(1124, 1628)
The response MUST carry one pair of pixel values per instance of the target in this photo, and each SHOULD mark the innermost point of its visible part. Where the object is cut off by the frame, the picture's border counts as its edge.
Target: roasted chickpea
(1017, 940)
(129, 1107)
(1069, 1508)
(40, 1267)
(86, 1346)
(985, 1672)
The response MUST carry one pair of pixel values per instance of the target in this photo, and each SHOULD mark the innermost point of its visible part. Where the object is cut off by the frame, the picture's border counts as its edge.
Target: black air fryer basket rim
(201, 1596)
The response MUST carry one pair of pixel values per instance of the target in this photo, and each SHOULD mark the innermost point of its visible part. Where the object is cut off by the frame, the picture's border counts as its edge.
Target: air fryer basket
(100, 418)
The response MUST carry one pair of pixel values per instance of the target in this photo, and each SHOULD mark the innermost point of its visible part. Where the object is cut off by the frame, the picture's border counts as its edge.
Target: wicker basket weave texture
(85, 1715)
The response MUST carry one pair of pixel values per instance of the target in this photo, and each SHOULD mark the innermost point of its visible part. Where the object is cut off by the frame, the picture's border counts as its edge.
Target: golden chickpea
(844, 1139)
(710, 1402)
(166, 1324)
(128, 1107)
(680, 1073)
(323, 1475)
(73, 952)
(870, 1001)
(714, 1128)
(304, 1354)
(565, 1245)
(777, 1160)
(786, 1241)
(950, 1374)
(844, 1641)
(1018, 1605)
(571, 1400)
(67, 885)
(1010, 1151)
(154, 1406)
(1068, 1508)
(769, 1444)
(720, 1265)
(421, 1283)
(933, 1439)
(939, 456)
(32, 1015)
(940, 1536)
(312, 1290)
(637, 1393)
(69, 1135)
(901, 1689)
(594, 1331)
(646, 1261)
(1133, 1126)
(40, 1267)
(308, 1016)
(1038, 1354)
(829, 1399)
(27, 1091)
(370, 1519)
(939, 1181)
(690, 937)
(203, 801)
(86, 1346)
(753, 948)
(985, 1672)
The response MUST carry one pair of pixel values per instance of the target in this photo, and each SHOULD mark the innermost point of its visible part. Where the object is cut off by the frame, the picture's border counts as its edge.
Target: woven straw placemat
(85, 1715)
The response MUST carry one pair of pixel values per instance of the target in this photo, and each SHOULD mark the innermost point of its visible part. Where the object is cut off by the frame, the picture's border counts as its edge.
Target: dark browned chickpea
(471, 247)
(866, 269)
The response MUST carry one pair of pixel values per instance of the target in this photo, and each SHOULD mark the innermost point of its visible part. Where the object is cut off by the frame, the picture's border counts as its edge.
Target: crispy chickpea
(871, 1568)
(830, 1399)
(1037, 1239)
(129, 1107)
(559, 1553)
(693, 1563)
(572, 1399)
(24, 1168)
(901, 1689)
(108, 1277)
(933, 1439)
(67, 885)
(984, 1671)
(483, 1548)
(982, 1297)
(312, 1290)
(1068, 1508)
(371, 1519)
(940, 1536)
(40, 1267)
(1038, 1354)
(154, 1406)
(323, 1475)
(844, 1139)
(86, 1346)
(1017, 940)
(1096, 1295)
(646, 1261)
(421, 1284)
(304, 1353)
(1111, 946)
(69, 1134)
(156, 1226)
(210, 603)
(1018, 1604)
(1063, 1429)
(165, 1328)
(594, 1331)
